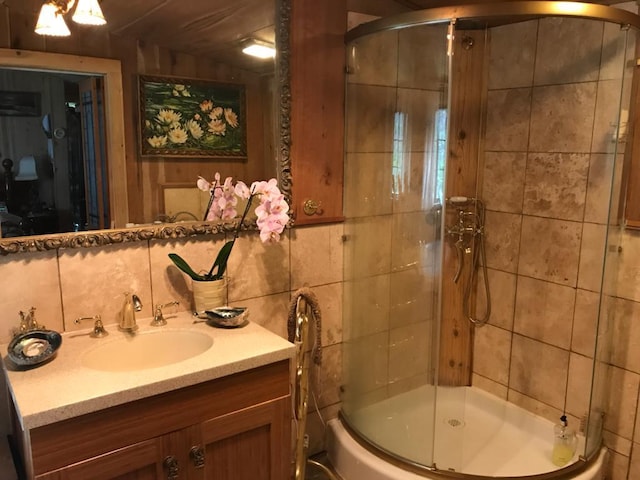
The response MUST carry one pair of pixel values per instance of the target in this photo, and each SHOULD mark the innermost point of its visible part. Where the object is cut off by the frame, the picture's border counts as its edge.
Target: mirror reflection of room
(137, 188)
(53, 174)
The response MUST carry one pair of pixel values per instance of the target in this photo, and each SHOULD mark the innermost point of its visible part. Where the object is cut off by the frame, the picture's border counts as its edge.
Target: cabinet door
(142, 461)
(250, 444)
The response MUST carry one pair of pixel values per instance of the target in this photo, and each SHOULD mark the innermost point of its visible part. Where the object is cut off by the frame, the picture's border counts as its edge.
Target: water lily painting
(192, 118)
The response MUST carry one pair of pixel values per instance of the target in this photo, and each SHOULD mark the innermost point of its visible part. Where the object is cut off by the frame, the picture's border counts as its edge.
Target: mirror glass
(54, 154)
(70, 173)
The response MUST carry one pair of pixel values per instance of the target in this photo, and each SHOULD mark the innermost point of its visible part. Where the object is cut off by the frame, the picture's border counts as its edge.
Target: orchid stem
(237, 230)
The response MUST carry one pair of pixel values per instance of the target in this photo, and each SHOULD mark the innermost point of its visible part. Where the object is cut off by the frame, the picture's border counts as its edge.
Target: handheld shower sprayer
(468, 236)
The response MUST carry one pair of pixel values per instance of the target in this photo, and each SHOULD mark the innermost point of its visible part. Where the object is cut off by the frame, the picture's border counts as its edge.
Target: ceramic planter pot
(209, 295)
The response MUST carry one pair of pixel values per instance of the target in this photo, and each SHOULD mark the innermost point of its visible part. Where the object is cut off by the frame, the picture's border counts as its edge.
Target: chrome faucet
(132, 304)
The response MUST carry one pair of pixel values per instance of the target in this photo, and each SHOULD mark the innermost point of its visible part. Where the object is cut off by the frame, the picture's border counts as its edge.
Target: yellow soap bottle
(564, 444)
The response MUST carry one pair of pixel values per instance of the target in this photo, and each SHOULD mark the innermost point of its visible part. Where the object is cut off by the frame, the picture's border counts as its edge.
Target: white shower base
(476, 433)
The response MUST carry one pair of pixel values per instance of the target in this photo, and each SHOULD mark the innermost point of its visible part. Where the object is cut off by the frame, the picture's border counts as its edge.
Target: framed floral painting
(192, 118)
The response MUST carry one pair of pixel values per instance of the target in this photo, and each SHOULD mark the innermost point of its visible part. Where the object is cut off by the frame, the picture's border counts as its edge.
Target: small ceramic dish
(228, 317)
(34, 347)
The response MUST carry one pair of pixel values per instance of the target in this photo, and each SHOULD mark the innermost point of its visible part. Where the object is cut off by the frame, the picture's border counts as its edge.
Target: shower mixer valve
(468, 235)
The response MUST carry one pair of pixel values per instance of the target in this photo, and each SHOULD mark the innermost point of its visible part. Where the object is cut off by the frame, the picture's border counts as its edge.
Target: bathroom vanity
(224, 413)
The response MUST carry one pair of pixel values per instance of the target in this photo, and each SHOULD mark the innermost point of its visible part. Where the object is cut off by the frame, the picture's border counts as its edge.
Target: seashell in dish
(228, 317)
(34, 347)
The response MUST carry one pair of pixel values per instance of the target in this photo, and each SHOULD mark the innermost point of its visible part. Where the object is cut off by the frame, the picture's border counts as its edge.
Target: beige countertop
(63, 388)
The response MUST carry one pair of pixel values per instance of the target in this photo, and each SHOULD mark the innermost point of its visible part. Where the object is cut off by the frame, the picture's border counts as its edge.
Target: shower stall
(484, 166)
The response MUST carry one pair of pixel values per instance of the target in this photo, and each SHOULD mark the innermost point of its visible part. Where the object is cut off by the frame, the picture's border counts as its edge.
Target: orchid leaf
(221, 261)
(184, 266)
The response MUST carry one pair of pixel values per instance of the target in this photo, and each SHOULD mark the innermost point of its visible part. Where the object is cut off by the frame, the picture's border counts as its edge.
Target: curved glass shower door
(542, 135)
(394, 179)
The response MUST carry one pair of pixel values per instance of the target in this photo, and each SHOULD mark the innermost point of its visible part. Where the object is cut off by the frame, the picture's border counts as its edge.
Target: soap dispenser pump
(564, 443)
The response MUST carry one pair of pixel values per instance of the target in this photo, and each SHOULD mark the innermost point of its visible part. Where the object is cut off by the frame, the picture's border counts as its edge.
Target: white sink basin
(146, 350)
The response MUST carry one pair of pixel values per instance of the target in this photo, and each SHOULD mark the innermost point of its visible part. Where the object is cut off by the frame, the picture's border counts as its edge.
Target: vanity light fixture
(51, 20)
(258, 48)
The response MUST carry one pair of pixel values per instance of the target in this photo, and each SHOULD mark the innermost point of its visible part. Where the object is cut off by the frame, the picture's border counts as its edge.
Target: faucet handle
(158, 318)
(98, 328)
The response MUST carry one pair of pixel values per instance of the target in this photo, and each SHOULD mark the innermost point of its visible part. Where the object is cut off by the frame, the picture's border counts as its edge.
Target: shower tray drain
(455, 423)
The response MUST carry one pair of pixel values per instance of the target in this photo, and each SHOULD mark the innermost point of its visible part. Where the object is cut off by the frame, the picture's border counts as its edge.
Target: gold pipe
(301, 341)
(303, 312)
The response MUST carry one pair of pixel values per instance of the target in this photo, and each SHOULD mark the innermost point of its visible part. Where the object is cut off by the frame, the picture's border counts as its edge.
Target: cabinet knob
(197, 456)
(171, 467)
(312, 207)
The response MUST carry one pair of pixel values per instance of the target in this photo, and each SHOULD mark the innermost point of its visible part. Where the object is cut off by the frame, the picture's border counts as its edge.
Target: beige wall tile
(606, 116)
(503, 181)
(532, 405)
(502, 240)
(617, 467)
(424, 71)
(330, 303)
(257, 269)
(370, 118)
(626, 334)
(585, 322)
(411, 236)
(545, 379)
(410, 383)
(325, 379)
(550, 250)
(373, 59)
(412, 190)
(579, 385)
(491, 350)
(617, 443)
(366, 364)
(628, 281)
(544, 311)
(636, 430)
(592, 253)
(316, 426)
(599, 188)
(93, 281)
(419, 108)
(568, 50)
(411, 351)
(31, 280)
(489, 386)
(562, 118)
(622, 398)
(270, 312)
(508, 113)
(412, 297)
(316, 255)
(367, 250)
(167, 281)
(512, 55)
(366, 308)
(556, 185)
(502, 290)
(371, 172)
(634, 466)
(613, 46)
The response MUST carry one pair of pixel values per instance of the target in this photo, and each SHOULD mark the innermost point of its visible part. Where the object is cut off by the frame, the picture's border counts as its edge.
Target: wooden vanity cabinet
(235, 428)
